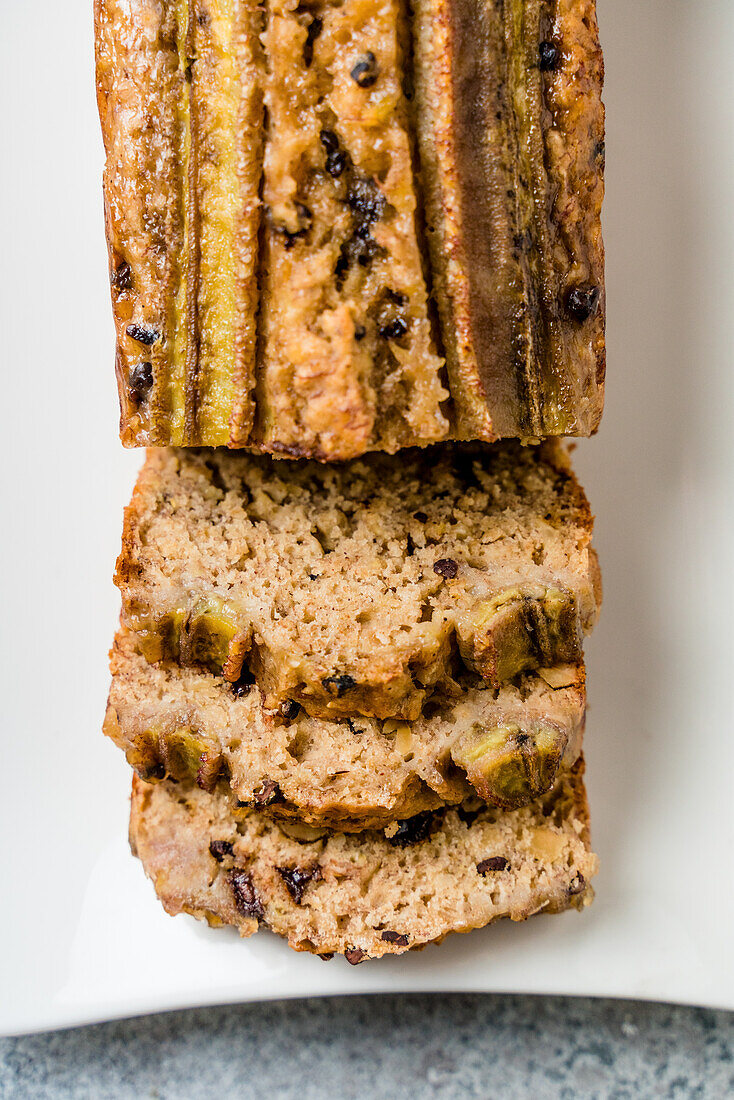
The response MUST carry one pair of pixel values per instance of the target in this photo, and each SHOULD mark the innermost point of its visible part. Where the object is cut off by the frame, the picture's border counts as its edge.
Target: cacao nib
(219, 849)
(355, 955)
(494, 863)
(396, 938)
(290, 709)
(446, 567)
(122, 278)
(394, 329)
(582, 302)
(140, 381)
(144, 334)
(297, 880)
(243, 683)
(366, 71)
(411, 830)
(313, 32)
(339, 684)
(266, 794)
(245, 895)
(550, 55)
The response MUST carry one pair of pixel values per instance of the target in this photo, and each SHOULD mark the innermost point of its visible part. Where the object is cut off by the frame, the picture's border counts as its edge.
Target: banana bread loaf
(288, 188)
(367, 894)
(355, 589)
(508, 747)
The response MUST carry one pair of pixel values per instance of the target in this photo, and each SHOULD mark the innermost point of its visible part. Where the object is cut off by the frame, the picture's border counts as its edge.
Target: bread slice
(506, 746)
(348, 363)
(511, 133)
(355, 589)
(368, 894)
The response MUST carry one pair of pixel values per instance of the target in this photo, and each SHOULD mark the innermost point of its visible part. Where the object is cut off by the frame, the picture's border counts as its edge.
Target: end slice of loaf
(363, 895)
(511, 133)
(508, 747)
(355, 589)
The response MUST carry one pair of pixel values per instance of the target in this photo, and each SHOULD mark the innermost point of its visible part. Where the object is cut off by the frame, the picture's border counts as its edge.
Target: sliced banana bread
(507, 746)
(511, 131)
(354, 589)
(368, 894)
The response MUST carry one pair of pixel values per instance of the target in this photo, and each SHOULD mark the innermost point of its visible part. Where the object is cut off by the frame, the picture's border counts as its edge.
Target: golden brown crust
(510, 122)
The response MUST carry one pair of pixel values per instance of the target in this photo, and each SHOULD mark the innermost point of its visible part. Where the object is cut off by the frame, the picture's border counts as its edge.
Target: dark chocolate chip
(144, 334)
(219, 849)
(550, 55)
(313, 32)
(394, 329)
(355, 955)
(296, 880)
(396, 938)
(243, 683)
(446, 567)
(245, 895)
(329, 140)
(420, 516)
(267, 793)
(290, 709)
(122, 277)
(151, 774)
(411, 830)
(336, 163)
(582, 302)
(366, 71)
(140, 381)
(494, 863)
(577, 885)
(339, 684)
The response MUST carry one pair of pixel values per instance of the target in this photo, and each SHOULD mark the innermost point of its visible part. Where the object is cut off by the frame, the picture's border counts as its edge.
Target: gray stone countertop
(391, 1047)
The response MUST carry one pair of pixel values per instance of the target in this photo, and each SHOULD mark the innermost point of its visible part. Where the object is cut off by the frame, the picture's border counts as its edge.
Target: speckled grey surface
(394, 1048)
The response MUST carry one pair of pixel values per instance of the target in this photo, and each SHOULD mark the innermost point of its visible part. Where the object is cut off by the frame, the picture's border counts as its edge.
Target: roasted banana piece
(180, 93)
(511, 134)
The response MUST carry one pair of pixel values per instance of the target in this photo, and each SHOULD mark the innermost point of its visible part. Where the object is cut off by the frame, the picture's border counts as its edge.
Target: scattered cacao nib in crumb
(550, 55)
(577, 885)
(582, 302)
(266, 794)
(244, 682)
(336, 160)
(365, 200)
(351, 726)
(122, 277)
(245, 895)
(326, 955)
(219, 849)
(411, 830)
(313, 32)
(366, 71)
(494, 863)
(140, 381)
(360, 332)
(339, 684)
(297, 880)
(446, 567)
(355, 955)
(421, 517)
(396, 938)
(143, 334)
(290, 709)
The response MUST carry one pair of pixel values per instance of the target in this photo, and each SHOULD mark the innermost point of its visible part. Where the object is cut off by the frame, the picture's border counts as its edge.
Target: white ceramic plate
(82, 936)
